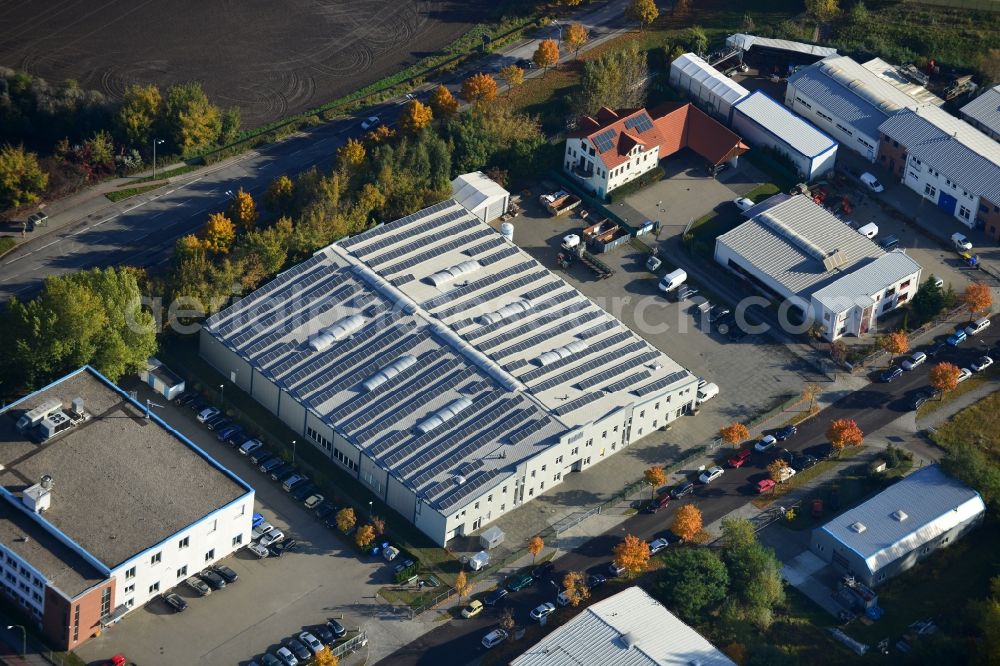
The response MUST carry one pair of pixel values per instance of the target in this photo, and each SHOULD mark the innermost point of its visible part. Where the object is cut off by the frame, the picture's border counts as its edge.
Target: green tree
(242, 210)
(644, 12)
(617, 80)
(232, 120)
(21, 177)
(928, 301)
(822, 11)
(696, 39)
(971, 465)
(101, 148)
(191, 120)
(140, 111)
(90, 317)
(692, 582)
(269, 246)
(279, 195)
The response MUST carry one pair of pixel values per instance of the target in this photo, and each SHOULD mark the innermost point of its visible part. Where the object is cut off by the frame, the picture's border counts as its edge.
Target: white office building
(445, 368)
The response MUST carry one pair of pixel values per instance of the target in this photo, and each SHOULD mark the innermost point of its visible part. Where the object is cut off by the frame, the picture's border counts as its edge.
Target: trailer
(559, 203)
(573, 249)
(605, 236)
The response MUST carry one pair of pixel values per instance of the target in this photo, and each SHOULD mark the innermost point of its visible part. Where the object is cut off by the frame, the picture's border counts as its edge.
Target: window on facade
(154, 588)
(184, 543)
(106, 600)
(930, 190)
(905, 285)
(576, 450)
(130, 573)
(129, 589)
(964, 212)
(156, 558)
(541, 486)
(182, 572)
(559, 460)
(210, 555)
(237, 540)
(890, 292)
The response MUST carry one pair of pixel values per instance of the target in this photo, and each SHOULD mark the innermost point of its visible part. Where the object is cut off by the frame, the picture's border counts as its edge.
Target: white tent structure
(709, 89)
(480, 195)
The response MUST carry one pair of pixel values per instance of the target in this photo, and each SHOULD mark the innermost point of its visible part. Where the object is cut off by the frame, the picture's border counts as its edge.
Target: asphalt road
(141, 231)
(873, 407)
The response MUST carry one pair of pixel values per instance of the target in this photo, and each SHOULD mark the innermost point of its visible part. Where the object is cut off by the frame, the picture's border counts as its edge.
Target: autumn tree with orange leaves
(415, 117)
(632, 554)
(364, 536)
(218, 233)
(895, 343)
(535, 546)
(687, 523)
(513, 76)
(655, 477)
(547, 54)
(576, 36)
(479, 89)
(977, 298)
(351, 154)
(443, 103)
(575, 587)
(843, 433)
(776, 469)
(735, 433)
(944, 376)
(242, 210)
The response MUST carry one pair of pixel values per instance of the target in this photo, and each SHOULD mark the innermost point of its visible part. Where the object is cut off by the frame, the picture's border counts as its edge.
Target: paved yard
(273, 599)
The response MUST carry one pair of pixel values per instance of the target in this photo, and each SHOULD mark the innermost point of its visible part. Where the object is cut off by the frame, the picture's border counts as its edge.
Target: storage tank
(507, 231)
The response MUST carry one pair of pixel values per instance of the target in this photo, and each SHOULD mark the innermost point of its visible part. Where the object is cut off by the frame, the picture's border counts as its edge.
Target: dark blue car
(891, 373)
(781, 434)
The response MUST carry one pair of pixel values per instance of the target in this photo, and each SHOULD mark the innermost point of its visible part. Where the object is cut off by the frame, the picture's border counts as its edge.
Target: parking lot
(273, 599)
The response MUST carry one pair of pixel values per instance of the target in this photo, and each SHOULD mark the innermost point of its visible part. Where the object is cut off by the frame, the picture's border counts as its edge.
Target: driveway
(273, 599)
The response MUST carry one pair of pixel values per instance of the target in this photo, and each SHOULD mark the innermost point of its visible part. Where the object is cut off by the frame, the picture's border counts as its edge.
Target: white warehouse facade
(795, 250)
(445, 368)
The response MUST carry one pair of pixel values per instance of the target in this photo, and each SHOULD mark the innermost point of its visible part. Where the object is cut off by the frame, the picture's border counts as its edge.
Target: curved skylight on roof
(388, 372)
(443, 415)
(442, 278)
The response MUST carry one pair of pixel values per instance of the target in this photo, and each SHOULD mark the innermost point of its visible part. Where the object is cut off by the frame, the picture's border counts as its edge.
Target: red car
(765, 485)
(740, 458)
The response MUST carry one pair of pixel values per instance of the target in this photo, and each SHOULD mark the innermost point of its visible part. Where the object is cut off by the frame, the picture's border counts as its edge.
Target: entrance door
(947, 203)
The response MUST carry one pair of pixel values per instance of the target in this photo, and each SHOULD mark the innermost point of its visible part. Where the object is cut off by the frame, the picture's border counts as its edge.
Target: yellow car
(473, 609)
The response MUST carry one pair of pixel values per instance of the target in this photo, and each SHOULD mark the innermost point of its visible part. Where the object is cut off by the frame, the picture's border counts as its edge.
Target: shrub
(646, 179)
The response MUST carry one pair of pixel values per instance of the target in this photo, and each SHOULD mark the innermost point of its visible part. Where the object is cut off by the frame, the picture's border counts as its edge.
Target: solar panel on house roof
(640, 123)
(605, 140)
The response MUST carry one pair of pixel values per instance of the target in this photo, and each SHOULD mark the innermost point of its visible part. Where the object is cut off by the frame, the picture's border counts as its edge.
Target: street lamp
(156, 142)
(558, 25)
(24, 639)
(222, 396)
(370, 510)
(293, 451)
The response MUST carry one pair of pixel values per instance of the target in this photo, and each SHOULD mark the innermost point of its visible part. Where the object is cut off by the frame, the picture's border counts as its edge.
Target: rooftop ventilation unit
(446, 413)
(506, 312)
(899, 515)
(834, 261)
(791, 236)
(559, 353)
(32, 418)
(38, 498)
(858, 527)
(442, 278)
(388, 372)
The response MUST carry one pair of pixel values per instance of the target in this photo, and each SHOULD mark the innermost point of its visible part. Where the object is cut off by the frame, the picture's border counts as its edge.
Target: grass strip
(118, 195)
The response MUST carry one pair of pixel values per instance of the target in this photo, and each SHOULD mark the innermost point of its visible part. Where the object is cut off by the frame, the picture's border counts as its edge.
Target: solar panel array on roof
(623, 384)
(640, 123)
(527, 431)
(468, 487)
(606, 325)
(426, 214)
(478, 299)
(491, 244)
(661, 383)
(605, 141)
(602, 347)
(533, 341)
(610, 373)
(574, 405)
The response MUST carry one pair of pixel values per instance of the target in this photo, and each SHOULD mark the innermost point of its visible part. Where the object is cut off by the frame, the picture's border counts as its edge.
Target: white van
(962, 243)
(869, 231)
(977, 327)
(494, 638)
(672, 280)
(707, 392)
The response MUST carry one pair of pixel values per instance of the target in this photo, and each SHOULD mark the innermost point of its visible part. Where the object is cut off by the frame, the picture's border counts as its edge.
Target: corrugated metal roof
(473, 190)
(744, 42)
(932, 502)
(628, 629)
(890, 74)
(857, 287)
(785, 243)
(784, 123)
(952, 146)
(850, 92)
(985, 109)
(690, 65)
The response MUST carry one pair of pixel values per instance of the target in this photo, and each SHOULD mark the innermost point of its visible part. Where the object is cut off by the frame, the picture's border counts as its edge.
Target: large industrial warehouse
(445, 368)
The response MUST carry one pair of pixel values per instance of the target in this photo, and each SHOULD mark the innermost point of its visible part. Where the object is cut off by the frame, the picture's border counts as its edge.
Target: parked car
(765, 443)
(496, 596)
(238, 440)
(258, 550)
(656, 545)
(474, 608)
(260, 456)
(282, 547)
(225, 433)
(543, 570)
(324, 634)
(268, 659)
(286, 656)
(765, 485)
(313, 501)
(660, 502)
(214, 580)
(292, 482)
(743, 203)
(739, 458)
(964, 374)
(682, 490)
(175, 601)
(304, 490)
(494, 638)
(206, 414)
(917, 359)
(184, 398)
(562, 598)
(961, 243)
(199, 586)
(890, 374)
(981, 363)
(781, 434)
(936, 348)
(269, 465)
(520, 583)
(250, 446)
(956, 338)
(227, 574)
(872, 182)
(282, 473)
(711, 474)
(256, 520)
(596, 580)
(260, 529)
(325, 509)
(274, 536)
(804, 461)
(336, 627)
(218, 422)
(889, 243)
(311, 642)
(977, 327)
(298, 648)
(615, 570)
(543, 610)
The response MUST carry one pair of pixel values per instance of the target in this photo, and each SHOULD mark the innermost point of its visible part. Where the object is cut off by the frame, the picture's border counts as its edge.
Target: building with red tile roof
(612, 148)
